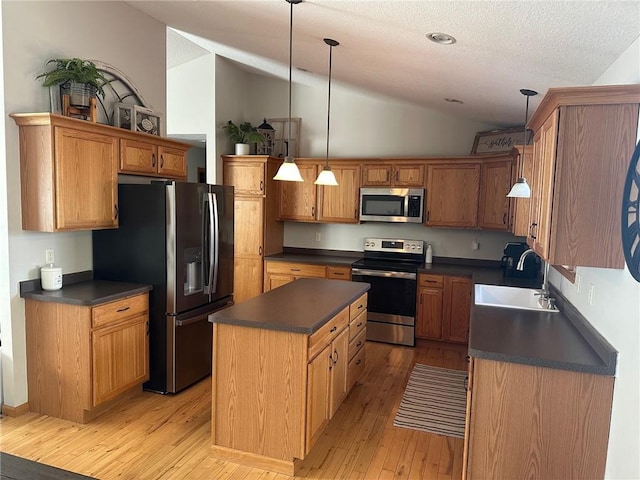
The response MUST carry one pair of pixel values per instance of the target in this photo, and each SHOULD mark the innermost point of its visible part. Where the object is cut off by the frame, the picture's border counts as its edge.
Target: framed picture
(122, 114)
(493, 141)
(281, 134)
(146, 121)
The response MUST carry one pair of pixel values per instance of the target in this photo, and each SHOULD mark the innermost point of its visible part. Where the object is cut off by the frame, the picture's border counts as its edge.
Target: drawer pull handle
(333, 329)
(358, 362)
(360, 306)
(295, 269)
(338, 273)
(359, 324)
(359, 343)
(123, 309)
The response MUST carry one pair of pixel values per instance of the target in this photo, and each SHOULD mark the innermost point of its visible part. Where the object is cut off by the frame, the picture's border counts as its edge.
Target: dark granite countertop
(81, 289)
(344, 260)
(301, 306)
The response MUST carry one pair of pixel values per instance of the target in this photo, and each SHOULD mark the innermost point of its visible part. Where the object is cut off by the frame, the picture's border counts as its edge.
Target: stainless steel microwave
(394, 205)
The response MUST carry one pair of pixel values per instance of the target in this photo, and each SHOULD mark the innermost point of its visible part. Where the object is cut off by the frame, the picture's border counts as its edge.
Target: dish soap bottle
(429, 257)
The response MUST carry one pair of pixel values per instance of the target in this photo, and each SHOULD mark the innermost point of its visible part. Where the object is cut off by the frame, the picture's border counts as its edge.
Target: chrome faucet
(520, 265)
(545, 298)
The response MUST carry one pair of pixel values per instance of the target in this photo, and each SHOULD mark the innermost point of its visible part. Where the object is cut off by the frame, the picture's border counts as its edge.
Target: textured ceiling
(501, 46)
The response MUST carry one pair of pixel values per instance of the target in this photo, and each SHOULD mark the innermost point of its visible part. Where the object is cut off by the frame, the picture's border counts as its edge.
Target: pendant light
(521, 188)
(288, 171)
(326, 176)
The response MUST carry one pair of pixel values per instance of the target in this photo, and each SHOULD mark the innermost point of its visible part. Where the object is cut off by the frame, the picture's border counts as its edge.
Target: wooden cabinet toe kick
(286, 467)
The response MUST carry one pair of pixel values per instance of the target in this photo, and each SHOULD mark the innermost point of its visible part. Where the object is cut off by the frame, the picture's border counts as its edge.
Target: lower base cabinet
(82, 359)
(534, 422)
(443, 307)
(279, 273)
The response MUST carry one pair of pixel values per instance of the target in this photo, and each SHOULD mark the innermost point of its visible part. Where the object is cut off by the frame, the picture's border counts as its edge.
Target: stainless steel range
(390, 266)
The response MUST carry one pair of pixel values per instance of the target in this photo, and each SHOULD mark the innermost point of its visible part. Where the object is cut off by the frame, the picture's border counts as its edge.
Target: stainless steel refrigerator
(177, 237)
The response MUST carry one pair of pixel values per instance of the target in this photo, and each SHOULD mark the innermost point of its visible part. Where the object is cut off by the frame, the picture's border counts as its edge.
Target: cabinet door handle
(396, 177)
(153, 160)
(359, 361)
(260, 250)
(120, 310)
(504, 219)
(359, 324)
(261, 185)
(355, 214)
(313, 211)
(330, 362)
(147, 329)
(335, 352)
(333, 329)
(466, 384)
(359, 344)
(427, 215)
(115, 212)
(161, 161)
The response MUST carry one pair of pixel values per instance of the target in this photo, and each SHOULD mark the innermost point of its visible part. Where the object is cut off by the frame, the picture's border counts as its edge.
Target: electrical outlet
(475, 245)
(590, 296)
(48, 256)
(318, 236)
(577, 283)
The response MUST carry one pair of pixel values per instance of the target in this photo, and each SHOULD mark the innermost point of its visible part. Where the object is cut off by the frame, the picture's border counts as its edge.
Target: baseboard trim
(15, 411)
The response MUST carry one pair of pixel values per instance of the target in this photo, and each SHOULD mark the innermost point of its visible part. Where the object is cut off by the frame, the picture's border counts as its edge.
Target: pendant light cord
(290, 78)
(329, 104)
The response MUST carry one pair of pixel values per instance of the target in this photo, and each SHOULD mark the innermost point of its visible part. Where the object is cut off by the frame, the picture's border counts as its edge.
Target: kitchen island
(282, 364)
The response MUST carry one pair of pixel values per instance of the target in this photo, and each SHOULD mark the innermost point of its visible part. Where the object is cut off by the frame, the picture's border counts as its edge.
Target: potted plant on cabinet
(80, 79)
(242, 135)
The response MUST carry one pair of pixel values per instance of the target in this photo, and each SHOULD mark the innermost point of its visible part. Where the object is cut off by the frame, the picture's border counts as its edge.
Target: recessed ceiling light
(453, 100)
(441, 38)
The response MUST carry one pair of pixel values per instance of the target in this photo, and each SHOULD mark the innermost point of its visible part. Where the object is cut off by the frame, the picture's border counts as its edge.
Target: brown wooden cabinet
(520, 206)
(443, 307)
(256, 231)
(307, 202)
(393, 174)
(495, 183)
(583, 140)
(69, 169)
(279, 413)
(452, 195)
(82, 359)
(533, 422)
(151, 158)
(278, 273)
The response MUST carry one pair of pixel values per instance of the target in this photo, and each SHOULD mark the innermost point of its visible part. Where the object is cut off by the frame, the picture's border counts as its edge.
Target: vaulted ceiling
(501, 46)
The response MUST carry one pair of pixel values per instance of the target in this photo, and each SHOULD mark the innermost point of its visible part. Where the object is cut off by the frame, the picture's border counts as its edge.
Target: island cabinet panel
(534, 422)
(82, 359)
(274, 391)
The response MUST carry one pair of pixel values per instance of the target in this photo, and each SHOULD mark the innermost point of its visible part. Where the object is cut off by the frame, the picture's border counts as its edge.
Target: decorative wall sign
(280, 136)
(631, 216)
(494, 141)
(146, 120)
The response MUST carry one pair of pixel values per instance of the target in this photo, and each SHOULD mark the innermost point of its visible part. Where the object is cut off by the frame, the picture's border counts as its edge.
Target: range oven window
(391, 296)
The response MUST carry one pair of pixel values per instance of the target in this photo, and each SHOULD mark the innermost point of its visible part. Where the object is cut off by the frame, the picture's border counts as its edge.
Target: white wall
(615, 313)
(191, 103)
(34, 32)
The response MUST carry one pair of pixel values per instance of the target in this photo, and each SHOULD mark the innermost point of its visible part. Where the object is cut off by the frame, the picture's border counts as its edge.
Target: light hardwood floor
(168, 437)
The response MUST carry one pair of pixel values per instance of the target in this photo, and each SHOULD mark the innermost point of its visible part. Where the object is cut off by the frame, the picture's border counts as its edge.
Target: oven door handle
(383, 273)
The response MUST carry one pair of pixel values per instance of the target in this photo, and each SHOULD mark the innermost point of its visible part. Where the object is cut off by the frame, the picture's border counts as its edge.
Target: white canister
(51, 277)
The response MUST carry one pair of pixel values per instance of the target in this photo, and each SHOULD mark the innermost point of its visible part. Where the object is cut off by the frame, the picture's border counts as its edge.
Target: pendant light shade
(288, 171)
(521, 188)
(326, 176)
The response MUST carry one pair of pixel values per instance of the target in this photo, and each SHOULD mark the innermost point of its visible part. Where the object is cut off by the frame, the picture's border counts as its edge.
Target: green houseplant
(78, 78)
(242, 135)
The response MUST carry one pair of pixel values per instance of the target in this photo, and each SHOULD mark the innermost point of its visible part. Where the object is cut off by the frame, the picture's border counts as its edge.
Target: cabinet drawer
(427, 280)
(358, 306)
(297, 269)
(326, 333)
(357, 324)
(339, 273)
(357, 343)
(356, 367)
(119, 310)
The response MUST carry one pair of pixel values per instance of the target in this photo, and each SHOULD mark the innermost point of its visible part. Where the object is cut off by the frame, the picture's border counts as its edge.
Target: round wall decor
(631, 216)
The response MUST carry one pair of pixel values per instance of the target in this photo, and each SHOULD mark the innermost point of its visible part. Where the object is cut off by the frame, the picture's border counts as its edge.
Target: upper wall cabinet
(69, 170)
(583, 142)
(393, 174)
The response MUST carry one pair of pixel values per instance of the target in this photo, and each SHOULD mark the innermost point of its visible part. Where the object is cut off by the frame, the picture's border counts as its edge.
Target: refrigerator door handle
(212, 205)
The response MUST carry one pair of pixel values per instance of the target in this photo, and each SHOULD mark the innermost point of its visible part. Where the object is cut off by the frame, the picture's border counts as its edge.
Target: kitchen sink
(511, 297)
